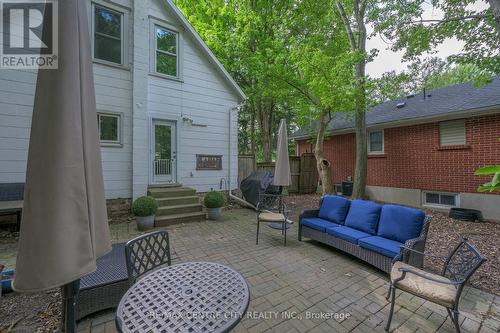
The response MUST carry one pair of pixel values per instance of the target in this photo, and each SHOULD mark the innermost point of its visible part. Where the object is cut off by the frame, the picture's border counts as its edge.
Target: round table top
(187, 297)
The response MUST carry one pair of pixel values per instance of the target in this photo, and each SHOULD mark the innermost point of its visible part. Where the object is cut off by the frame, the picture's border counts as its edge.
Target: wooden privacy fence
(302, 170)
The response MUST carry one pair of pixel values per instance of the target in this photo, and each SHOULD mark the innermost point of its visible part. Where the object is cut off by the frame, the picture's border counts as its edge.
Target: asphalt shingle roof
(442, 102)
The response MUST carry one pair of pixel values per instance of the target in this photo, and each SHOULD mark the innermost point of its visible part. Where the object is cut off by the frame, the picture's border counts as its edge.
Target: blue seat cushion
(363, 215)
(400, 223)
(334, 208)
(384, 246)
(348, 234)
(317, 223)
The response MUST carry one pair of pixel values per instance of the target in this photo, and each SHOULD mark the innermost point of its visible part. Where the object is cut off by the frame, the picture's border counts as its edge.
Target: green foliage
(405, 23)
(214, 199)
(144, 206)
(494, 184)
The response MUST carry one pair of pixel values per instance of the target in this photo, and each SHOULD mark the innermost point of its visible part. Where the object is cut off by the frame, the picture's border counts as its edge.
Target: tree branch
(347, 25)
(453, 19)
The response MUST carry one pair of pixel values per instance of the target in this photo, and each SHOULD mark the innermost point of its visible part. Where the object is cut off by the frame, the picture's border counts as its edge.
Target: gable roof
(206, 49)
(456, 101)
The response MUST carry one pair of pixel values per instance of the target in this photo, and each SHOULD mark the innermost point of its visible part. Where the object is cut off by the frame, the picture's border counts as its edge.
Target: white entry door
(163, 152)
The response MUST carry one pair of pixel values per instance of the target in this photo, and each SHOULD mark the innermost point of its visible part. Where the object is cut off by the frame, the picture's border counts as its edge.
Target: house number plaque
(208, 162)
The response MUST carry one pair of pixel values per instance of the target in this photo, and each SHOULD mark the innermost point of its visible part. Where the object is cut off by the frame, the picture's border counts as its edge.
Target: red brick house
(423, 150)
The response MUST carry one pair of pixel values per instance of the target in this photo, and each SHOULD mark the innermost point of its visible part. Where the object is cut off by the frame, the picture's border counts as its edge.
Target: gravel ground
(444, 233)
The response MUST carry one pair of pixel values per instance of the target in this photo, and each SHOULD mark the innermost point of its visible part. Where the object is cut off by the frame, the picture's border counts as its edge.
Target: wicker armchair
(443, 289)
(147, 252)
(271, 209)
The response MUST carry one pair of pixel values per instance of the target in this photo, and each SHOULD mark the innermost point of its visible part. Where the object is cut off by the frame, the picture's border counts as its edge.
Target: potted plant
(214, 201)
(144, 209)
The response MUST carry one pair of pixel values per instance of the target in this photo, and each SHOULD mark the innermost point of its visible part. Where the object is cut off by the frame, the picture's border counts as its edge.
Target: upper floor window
(166, 51)
(376, 142)
(108, 34)
(452, 133)
(109, 126)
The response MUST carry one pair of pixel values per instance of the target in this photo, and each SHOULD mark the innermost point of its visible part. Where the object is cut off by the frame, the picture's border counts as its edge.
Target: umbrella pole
(69, 298)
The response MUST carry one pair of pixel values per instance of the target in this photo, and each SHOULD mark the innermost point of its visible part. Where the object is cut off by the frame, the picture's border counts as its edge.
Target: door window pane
(107, 35)
(163, 142)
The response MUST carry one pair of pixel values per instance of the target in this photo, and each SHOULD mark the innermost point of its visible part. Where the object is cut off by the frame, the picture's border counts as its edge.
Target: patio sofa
(374, 233)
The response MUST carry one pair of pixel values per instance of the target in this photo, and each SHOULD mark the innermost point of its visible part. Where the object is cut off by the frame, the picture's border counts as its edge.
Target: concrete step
(162, 202)
(165, 185)
(164, 221)
(171, 192)
(179, 209)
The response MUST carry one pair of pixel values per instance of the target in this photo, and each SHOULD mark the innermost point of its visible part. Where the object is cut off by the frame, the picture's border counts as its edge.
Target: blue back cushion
(334, 208)
(400, 223)
(363, 215)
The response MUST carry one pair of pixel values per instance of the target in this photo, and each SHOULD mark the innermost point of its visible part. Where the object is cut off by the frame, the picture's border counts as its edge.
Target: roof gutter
(416, 121)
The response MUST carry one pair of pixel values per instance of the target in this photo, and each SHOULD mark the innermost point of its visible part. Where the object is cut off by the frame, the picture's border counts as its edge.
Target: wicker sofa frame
(373, 258)
(104, 288)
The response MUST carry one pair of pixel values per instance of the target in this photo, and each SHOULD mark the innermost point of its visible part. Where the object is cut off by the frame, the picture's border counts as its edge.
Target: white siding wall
(203, 96)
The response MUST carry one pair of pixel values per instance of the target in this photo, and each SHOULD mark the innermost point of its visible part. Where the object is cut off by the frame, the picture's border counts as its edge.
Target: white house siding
(131, 90)
(202, 95)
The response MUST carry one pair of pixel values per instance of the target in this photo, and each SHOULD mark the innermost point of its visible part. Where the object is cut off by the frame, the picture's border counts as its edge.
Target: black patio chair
(147, 252)
(271, 209)
(442, 289)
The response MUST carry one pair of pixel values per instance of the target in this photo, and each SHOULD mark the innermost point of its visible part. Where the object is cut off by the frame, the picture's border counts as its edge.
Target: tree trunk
(264, 113)
(252, 131)
(323, 165)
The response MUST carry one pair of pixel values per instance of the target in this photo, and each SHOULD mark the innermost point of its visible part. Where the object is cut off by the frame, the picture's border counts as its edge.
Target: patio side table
(187, 297)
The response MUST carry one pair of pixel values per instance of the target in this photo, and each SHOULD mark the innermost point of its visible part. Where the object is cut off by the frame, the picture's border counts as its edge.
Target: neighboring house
(423, 150)
(163, 99)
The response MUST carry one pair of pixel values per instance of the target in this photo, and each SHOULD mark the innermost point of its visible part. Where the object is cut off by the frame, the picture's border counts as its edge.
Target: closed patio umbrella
(64, 226)
(282, 167)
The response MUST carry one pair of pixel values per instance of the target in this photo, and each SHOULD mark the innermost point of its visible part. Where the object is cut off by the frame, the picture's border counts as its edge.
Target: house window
(376, 142)
(109, 126)
(440, 199)
(452, 133)
(108, 34)
(166, 47)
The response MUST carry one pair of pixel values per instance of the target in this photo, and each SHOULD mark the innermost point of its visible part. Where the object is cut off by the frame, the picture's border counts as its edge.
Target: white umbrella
(64, 227)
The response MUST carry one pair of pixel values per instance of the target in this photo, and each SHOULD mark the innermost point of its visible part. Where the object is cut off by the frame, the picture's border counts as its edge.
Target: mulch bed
(444, 234)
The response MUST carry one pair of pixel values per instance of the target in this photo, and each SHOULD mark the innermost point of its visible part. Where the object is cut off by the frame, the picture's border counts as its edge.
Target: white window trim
(369, 145)
(433, 205)
(111, 143)
(153, 42)
(125, 14)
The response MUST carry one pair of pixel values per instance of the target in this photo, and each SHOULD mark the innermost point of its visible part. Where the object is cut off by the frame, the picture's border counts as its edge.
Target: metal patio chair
(442, 289)
(271, 209)
(147, 252)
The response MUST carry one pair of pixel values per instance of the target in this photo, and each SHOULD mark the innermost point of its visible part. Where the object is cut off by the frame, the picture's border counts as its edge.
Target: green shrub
(214, 199)
(144, 206)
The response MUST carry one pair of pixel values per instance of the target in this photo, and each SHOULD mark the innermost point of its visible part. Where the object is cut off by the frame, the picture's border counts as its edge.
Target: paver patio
(306, 281)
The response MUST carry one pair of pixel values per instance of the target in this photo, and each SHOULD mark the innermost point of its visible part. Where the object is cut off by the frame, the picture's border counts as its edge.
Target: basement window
(440, 199)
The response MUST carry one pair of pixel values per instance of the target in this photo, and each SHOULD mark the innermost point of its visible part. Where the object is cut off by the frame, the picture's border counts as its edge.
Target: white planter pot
(214, 213)
(145, 222)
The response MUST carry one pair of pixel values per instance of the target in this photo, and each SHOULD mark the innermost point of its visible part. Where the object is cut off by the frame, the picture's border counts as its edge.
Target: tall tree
(317, 65)
(353, 15)
(243, 35)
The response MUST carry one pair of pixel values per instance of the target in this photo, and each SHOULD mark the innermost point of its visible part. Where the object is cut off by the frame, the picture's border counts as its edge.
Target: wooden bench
(11, 199)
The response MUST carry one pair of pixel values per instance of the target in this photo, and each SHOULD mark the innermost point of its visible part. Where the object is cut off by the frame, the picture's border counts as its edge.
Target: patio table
(187, 297)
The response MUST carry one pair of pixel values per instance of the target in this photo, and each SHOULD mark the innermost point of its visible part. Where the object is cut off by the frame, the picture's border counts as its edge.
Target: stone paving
(305, 286)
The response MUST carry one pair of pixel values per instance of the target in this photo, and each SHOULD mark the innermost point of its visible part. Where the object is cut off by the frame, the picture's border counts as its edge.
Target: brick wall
(414, 159)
